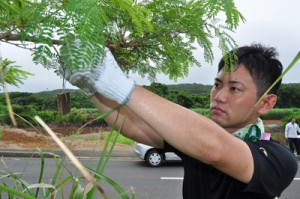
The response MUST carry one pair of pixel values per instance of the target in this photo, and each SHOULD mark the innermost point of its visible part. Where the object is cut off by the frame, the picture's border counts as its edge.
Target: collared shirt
(291, 130)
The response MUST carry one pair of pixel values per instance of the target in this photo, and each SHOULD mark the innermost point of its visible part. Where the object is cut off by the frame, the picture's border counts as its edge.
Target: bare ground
(18, 139)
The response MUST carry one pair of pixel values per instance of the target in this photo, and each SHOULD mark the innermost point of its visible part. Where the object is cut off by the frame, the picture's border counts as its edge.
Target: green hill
(288, 96)
(191, 88)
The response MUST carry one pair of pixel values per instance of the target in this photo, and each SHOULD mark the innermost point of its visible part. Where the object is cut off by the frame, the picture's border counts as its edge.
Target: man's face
(233, 98)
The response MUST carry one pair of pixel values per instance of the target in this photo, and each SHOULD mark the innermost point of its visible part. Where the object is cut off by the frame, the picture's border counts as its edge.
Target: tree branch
(8, 36)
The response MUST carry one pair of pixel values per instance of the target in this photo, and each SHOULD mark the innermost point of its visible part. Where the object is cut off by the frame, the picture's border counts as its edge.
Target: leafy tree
(11, 74)
(158, 88)
(192, 88)
(289, 96)
(80, 100)
(180, 97)
(146, 37)
(201, 101)
(184, 100)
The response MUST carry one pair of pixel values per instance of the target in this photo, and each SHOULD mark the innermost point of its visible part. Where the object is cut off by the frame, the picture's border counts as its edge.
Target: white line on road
(171, 178)
(181, 178)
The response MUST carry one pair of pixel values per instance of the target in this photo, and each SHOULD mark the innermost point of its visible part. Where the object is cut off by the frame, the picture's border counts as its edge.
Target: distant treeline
(193, 96)
(188, 95)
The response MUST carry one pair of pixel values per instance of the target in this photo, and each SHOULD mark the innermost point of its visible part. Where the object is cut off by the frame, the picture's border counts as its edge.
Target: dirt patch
(12, 138)
(268, 122)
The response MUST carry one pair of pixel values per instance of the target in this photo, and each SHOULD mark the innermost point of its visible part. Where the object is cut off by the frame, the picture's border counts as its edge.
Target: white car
(153, 156)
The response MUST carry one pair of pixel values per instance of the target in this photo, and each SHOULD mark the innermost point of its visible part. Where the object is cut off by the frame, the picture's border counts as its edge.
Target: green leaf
(122, 193)
(14, 192)
(12, 74)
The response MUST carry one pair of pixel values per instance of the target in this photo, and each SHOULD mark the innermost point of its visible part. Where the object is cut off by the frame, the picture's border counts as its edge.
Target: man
(291, 130)
(223, 157)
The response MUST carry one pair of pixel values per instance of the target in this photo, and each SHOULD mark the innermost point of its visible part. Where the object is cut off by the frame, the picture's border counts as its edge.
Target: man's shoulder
(272, 152)
(270, 146)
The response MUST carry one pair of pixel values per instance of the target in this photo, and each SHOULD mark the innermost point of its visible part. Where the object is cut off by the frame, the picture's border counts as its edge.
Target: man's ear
(266, 104)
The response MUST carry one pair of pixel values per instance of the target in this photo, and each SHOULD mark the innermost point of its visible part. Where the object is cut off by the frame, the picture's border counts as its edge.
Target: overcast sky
(269, 22)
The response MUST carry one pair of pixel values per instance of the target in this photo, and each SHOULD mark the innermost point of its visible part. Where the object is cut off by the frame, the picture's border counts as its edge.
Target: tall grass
(19, 187)
(280, 114)
(102, 136)
(119, 139)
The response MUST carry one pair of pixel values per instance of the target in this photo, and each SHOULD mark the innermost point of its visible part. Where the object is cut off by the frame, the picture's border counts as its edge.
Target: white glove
(106, 78)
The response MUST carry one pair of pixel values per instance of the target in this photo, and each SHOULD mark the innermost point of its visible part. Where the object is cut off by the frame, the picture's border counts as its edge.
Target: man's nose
(221, 95)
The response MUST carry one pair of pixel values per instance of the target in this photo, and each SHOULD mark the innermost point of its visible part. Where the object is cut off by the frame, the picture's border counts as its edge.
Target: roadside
(26, 143)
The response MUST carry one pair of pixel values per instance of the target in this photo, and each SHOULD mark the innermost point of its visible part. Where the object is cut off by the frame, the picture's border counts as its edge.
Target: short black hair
(260, 61)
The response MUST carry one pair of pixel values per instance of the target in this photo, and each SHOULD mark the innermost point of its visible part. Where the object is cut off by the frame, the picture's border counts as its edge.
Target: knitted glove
(106, 78)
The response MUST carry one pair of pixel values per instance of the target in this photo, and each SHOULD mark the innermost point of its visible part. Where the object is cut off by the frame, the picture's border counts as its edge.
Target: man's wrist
(119, 90)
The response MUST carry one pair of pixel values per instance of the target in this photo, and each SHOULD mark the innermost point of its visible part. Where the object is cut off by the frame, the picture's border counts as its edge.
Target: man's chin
(221, 122)
(215, 118)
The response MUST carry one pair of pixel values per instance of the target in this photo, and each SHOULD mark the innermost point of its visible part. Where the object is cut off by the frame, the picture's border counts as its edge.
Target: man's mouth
(216, 110)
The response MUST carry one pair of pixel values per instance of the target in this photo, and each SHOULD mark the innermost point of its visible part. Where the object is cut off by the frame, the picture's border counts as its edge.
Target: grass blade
(92, 193)
(68, 152)
(116, 186)
(15, 192)
(55, 176)
(41, 171)
(295, 60)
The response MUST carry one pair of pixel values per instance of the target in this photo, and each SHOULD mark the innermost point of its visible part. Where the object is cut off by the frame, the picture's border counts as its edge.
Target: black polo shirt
(274, 169)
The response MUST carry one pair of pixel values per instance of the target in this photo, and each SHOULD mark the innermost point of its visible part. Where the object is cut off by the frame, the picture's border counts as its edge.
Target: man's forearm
(177, 125)
(132, 126)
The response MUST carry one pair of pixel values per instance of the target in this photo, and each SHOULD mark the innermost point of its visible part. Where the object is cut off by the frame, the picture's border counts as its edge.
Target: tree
(184, 100)
(289, 96)
(145, 36)
(11, 74)
(158, 88)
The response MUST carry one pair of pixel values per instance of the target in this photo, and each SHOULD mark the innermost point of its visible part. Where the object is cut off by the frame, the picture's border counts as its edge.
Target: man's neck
(250, 132)
(231, 130)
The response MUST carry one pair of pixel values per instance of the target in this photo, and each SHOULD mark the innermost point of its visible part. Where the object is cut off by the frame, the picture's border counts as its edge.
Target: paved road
(131, 173)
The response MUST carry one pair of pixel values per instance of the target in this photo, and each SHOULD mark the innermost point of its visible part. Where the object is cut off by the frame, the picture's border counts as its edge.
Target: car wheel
(154, 158)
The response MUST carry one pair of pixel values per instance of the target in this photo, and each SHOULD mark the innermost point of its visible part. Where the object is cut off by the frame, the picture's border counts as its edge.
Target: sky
(269, 22)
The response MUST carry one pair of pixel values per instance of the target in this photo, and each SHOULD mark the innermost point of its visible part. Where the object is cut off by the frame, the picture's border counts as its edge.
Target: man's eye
(216, 85)
(235, 89)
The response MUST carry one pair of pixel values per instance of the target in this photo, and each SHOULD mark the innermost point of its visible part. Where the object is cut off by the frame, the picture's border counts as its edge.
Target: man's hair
(260, 61)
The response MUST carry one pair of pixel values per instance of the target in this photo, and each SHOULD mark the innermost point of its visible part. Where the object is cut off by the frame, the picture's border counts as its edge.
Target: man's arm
(286, 131)
(152, 119)
(133, 127)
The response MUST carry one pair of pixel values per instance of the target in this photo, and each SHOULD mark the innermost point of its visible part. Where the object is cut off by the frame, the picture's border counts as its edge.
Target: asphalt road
(130, 173)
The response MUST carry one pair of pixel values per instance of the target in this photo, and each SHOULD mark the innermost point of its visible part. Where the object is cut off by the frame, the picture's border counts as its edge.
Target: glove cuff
(125, 90)
(119, 88)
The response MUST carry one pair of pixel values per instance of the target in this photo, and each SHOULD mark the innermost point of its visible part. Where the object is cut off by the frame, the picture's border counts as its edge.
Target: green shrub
(80, 117)
(84, 137)
(202, 111)
(278, 113)
(121, 139)
(48, 116)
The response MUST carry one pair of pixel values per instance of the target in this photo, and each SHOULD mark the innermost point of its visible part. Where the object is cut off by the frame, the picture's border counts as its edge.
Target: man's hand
(106, 78)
